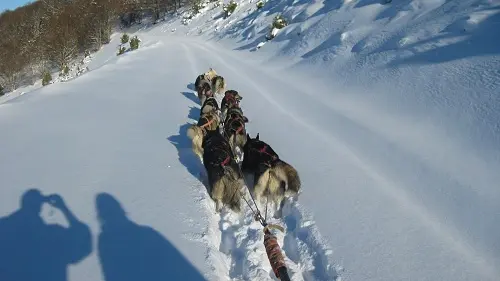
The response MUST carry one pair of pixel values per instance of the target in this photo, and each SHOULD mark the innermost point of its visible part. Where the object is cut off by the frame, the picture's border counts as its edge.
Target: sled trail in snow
(235, 248)
(236, 251)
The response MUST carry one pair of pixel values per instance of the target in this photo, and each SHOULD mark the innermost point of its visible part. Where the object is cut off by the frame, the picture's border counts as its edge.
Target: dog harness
(211, 101)
(263, 150)
(231, 128)
(226, 161)
(208, 122)
(235, 116)
(231, 100)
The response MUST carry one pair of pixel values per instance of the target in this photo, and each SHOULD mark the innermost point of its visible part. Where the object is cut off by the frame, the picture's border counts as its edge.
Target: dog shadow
(184, 149)
(187, 157)
(190, 86)
(194, 113)
(191, 96)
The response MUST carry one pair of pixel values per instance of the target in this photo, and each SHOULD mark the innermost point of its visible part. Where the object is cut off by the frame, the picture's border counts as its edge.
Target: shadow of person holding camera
(129, 251)
(30, 249)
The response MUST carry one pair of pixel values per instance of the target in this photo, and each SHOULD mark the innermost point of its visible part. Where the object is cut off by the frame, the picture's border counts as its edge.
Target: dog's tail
(222, 84)
(285, 178)
(232, 196)
(219, 84)
(194, 131)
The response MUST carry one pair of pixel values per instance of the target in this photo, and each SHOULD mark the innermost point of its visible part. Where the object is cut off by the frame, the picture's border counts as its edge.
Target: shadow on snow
(129, 251)
(31, 249)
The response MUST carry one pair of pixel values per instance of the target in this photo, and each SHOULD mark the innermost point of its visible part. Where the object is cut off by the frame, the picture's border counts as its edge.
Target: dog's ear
(257, 137)
(248, 137)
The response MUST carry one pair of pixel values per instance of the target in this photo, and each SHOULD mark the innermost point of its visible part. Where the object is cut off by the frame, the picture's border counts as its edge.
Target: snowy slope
(389, 113)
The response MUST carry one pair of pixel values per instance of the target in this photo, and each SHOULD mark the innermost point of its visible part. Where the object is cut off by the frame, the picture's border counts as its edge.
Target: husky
(225, 178)
(210, 104)
(197, 83)
(273, 177)
(218, 84)
(231, 99)
(234, 128)
(208, 122)
(235, 112)
(204, 91)
(210, 74)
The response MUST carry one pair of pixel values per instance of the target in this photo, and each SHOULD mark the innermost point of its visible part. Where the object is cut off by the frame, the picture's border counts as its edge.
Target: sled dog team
(217, 137)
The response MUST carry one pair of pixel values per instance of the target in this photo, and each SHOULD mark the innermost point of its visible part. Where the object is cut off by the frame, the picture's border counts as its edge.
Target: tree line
(48, 34)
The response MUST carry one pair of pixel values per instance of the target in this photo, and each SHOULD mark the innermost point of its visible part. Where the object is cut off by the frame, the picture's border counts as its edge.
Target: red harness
(226, 161)
(264, 150)
(231, 100)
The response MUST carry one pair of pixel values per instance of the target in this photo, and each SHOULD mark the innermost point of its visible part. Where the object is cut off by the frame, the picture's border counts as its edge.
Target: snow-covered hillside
(390, 113)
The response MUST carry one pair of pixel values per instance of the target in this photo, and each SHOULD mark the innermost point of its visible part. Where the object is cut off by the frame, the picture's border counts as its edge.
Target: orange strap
(208, 123)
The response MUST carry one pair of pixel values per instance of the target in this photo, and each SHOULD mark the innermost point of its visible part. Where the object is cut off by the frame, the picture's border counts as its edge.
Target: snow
(389, 112)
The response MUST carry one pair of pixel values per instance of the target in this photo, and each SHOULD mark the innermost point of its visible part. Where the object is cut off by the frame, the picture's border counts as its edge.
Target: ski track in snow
(235, 248)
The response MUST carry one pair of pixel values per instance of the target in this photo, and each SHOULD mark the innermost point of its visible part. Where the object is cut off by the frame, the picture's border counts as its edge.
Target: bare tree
(37, 36)
(61, 41)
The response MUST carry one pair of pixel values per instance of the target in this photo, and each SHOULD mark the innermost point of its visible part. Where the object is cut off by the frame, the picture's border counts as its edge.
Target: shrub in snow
(46, 78)
(65, 70)
(64, 74)
(260, 4)
(186, 19)
(279, 22)
(229, 8)
(134, 43)
(197, 6)
(124, 38)
(1, 91)
(121, 50)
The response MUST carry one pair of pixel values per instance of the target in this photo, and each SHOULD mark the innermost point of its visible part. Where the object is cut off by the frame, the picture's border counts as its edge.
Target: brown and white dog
(218, 85)
(208, 121)
(225, 178)
(231, 99)
(210, 74)
(210, 104)
(207, 76)
(204, 91)
(234, 129)
(273, 177)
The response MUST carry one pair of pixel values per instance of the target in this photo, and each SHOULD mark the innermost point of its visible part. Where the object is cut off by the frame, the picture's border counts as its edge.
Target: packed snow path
(372, 207)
